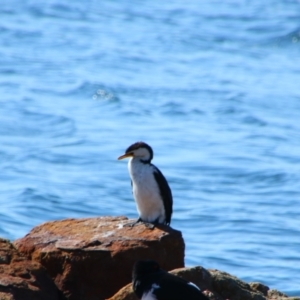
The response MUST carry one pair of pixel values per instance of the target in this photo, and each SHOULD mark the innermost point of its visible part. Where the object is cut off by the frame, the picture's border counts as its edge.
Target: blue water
(213, 87)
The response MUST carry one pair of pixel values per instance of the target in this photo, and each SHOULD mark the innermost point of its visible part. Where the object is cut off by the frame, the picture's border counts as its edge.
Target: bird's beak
(125, 155)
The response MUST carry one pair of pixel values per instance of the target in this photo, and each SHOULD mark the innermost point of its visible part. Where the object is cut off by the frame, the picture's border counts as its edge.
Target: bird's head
(139, 150)
(145, 267)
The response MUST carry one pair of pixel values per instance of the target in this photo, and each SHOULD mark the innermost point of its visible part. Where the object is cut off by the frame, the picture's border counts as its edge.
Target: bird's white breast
(149, 295)
(146, 191)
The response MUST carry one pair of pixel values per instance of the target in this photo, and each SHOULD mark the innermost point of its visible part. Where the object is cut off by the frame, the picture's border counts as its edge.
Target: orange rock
(125, 293)
(22, 279)
(92, 258)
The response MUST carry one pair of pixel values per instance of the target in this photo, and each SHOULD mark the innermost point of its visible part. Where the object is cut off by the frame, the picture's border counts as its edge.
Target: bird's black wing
(165, 192)
(176, 288)
(138, 288)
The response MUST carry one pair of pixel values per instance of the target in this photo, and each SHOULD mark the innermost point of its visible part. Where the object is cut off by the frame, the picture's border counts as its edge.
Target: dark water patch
(41, 202)
(58, 11)
(262, 179)
(243, 175)
(89, 91)
(8, 71)
(16, 223)
(30, 194)
(242, 221)
(230, 110)
(70, 143)
(3, 232)
(62, 159)
(265, 137)
(292, 158)
(24, 35)
(221, 261)
(173, 109)
(36, 124)
(291, 39)
(254, 121)
(105, 95)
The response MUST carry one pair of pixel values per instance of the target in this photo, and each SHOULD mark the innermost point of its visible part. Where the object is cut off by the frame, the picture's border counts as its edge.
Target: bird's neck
(139, 160)
(137, 168)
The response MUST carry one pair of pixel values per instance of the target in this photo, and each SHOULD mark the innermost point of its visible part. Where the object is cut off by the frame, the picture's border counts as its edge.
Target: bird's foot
(149, 225)
(140, 221)
(132, 224)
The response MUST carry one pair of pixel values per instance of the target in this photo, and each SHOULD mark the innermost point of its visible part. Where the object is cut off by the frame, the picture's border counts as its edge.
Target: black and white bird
(150, 188)
(150, 282)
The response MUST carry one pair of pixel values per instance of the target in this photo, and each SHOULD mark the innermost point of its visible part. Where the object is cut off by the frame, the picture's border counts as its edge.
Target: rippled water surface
(213, 87)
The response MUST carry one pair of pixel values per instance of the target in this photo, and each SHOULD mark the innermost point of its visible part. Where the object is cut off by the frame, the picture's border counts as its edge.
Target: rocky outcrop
(22, 279)
(216, 285)
(92, 258)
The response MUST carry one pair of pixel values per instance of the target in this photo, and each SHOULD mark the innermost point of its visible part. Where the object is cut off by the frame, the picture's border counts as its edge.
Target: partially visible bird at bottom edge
(150, 282)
